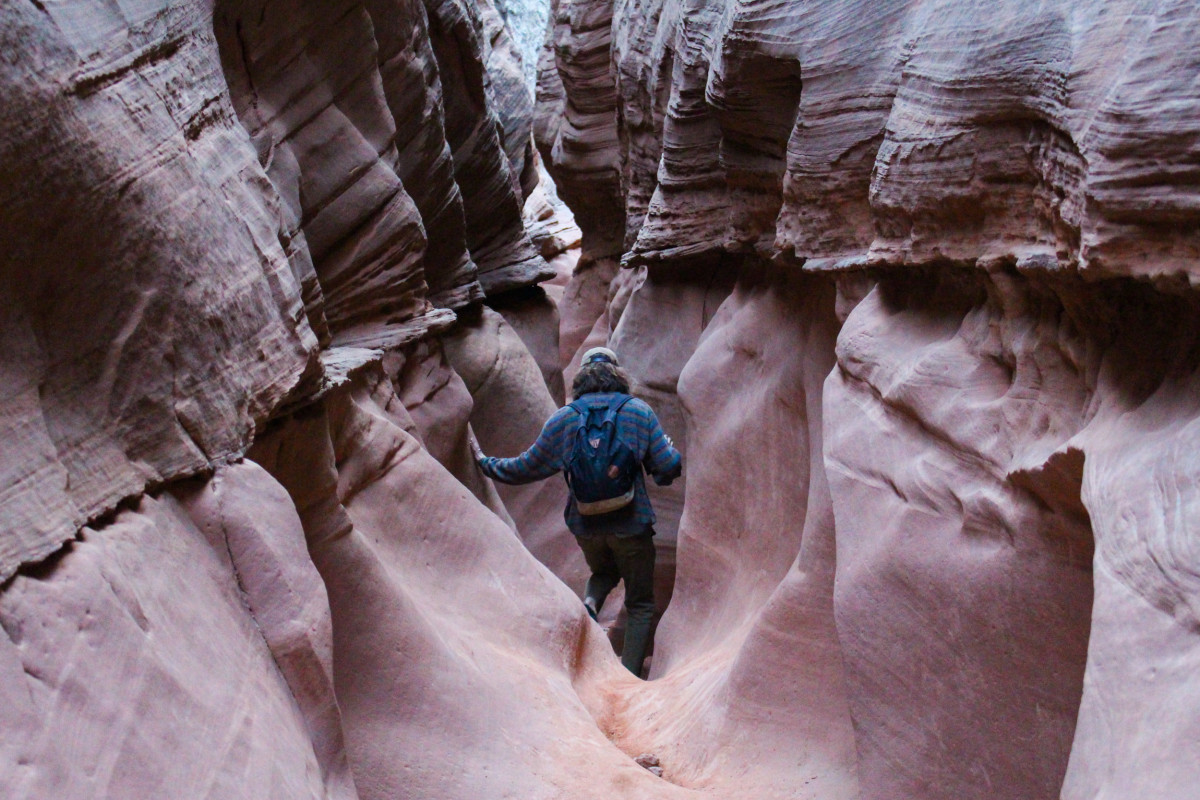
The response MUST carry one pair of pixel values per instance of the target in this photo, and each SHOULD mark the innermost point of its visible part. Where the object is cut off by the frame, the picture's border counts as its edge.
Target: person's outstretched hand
(476, 451)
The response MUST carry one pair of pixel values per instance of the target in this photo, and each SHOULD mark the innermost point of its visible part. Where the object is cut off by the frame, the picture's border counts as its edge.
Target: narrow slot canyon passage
(909, 285)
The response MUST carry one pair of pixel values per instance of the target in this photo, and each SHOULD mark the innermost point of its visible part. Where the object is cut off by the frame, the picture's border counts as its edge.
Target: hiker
(602, 441)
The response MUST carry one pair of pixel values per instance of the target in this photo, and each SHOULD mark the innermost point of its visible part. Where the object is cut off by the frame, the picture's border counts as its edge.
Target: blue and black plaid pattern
(637, 426)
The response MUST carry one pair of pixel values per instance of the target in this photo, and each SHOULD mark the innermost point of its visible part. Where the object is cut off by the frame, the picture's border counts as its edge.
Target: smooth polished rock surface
(1135, 735)
(435, 406)
(654, 355)
(977, 182)
(138, 664)
(944, 422)
(511, 404)
(938, 535)
(533, 315)
(250, 522)
(747, 657)
(463, 667)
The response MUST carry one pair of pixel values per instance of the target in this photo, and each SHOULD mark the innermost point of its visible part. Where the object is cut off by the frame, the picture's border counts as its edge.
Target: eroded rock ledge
(948, 381)
(238, 235)
(910, 282)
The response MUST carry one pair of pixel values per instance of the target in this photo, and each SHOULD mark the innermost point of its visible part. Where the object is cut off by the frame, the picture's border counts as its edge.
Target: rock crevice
(909, 282)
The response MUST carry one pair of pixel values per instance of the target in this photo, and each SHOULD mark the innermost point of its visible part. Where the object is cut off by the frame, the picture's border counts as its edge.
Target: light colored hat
(599, 354)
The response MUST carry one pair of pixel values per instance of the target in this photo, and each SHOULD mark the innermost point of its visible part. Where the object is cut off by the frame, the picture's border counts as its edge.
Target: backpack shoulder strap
(615, 409)
(589, 416)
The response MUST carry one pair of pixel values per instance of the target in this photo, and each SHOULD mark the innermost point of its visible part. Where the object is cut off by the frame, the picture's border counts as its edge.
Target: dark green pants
(613, 558)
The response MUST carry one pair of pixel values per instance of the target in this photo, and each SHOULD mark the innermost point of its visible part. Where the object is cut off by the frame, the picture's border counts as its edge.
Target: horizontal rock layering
(995, 206)
(897, 132)
(228, 223)
(198, 199)
(909, 282)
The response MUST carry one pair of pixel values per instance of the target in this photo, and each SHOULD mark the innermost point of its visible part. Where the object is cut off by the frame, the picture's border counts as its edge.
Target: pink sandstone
(910, 281)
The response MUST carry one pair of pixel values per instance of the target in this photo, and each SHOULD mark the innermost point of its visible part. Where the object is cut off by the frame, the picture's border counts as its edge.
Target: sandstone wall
(974, 224)
(236, 231)
(909, 281)
(463, 667)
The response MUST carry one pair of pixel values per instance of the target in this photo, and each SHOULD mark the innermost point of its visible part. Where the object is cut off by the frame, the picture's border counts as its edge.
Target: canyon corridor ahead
(911, 283)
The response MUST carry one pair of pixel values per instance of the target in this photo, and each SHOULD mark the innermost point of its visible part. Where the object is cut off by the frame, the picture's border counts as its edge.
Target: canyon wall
(909, 282)
(937, 534)
(245, 549)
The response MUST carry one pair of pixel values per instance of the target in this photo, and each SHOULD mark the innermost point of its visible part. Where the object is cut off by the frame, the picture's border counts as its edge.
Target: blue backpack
(600, 468)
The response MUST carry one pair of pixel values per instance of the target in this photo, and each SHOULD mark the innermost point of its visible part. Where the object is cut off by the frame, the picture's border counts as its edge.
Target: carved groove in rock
(909, 282)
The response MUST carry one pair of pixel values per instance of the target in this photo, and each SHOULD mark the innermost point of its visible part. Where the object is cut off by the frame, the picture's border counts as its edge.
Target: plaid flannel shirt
(637, 426)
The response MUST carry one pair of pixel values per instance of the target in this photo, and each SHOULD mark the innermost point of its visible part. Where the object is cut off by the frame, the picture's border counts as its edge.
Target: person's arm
(541, 460)
(662, 461)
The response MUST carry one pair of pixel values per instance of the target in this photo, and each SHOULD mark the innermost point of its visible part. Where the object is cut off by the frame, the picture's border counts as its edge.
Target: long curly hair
(599, 377)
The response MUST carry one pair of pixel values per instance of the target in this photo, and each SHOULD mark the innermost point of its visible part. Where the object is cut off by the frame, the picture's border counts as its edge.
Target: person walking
(603, 441)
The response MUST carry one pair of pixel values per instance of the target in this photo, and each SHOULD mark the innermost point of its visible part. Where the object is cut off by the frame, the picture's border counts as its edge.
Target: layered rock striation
(236, 231)
(961, 244)
(910, 283)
